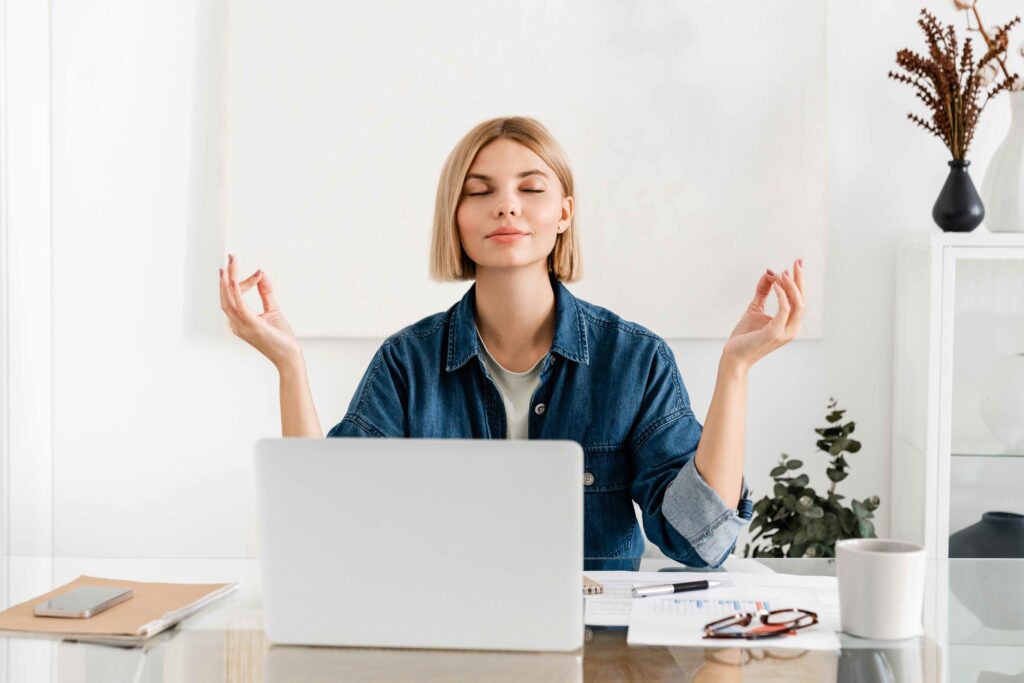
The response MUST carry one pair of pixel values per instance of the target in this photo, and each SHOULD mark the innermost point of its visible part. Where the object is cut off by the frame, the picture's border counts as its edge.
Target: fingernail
(771, 272)
(221, 271)
(258, 272)
(230, 258)
(785, 273)
(801, 262)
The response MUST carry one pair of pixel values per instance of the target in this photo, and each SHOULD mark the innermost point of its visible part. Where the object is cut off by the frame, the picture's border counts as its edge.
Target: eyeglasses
(778, 622)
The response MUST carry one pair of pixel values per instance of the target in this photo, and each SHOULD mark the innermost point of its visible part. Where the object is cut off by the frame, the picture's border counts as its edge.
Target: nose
(506, 206)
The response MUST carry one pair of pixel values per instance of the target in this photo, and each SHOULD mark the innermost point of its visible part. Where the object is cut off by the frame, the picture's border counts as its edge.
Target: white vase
(1002, 401)
(1002, 190)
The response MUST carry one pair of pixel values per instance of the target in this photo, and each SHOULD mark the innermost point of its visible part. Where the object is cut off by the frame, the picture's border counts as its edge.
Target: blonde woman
(520, 357)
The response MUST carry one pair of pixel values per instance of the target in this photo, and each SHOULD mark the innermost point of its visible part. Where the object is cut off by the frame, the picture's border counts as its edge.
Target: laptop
(421, 543)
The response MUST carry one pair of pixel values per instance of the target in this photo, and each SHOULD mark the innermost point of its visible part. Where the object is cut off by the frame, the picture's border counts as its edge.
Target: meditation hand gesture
(758, 334)
(268, 332)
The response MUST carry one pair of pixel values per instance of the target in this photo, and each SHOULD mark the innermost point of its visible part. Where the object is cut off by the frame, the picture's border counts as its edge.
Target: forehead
(504, 157)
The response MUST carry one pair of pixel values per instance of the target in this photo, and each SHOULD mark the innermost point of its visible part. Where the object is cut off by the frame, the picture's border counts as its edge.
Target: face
(509, 188)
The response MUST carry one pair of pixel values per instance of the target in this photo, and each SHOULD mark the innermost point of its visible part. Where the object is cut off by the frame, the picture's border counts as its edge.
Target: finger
(266, 290)
(798, 276)
(247, 284)
(238, 302)
(222, 287)
(796, 299)
(763, 289)
(797, 306)
(778, 323)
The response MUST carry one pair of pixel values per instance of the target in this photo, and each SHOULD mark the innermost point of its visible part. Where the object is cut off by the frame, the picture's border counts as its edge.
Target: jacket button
(539, 409)
(588, 478)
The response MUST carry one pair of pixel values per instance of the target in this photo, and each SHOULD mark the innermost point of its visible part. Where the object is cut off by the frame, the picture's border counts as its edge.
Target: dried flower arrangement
(951, 83)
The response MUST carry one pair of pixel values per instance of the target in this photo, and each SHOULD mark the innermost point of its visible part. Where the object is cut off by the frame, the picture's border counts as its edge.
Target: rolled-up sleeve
(680, 512)
(378, 406)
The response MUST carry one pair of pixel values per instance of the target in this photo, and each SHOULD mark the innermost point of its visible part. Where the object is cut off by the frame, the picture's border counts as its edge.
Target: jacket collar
(570, 332)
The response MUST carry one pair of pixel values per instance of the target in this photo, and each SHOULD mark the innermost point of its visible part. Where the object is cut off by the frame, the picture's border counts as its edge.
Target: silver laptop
(421, 543)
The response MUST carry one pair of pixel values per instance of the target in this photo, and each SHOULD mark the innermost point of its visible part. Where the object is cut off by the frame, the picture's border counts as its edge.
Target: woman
(520, 357)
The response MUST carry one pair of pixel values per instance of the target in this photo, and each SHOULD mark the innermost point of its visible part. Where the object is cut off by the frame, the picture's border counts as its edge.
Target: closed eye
(477, 194)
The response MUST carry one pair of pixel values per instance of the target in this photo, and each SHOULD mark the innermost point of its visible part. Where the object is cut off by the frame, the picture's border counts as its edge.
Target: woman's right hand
(268, 332)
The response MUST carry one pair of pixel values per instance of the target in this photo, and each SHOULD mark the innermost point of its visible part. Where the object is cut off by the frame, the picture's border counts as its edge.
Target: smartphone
(82, 602)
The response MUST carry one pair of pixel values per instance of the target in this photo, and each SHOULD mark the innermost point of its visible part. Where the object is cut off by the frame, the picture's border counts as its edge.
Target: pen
(670, 588)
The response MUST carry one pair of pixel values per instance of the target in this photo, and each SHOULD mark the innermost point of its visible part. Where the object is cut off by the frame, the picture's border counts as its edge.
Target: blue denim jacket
(609, 384)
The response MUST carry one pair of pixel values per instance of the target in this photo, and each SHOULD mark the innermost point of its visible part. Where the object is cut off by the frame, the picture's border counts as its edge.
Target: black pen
(670, 588)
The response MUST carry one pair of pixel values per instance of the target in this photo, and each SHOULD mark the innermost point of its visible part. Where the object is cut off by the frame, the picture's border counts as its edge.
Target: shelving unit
(950, 289)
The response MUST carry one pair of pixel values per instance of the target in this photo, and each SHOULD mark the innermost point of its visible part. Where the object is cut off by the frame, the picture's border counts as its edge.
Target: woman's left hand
(757, 334)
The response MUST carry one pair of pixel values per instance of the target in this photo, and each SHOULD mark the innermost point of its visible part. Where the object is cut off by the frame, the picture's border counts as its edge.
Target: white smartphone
(82, 602)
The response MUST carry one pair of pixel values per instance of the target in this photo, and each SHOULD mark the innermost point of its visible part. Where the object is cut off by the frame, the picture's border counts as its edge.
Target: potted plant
(796, 520)
(956, 88)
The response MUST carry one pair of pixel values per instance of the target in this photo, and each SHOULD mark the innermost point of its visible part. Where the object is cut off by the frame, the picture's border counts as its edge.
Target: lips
(506, 231)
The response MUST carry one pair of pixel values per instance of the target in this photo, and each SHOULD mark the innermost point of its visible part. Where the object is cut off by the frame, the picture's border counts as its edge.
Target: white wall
(156, 405)
(639, 94)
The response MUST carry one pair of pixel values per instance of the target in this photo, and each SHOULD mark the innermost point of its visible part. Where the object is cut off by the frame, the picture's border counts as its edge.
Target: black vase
(958, 207)
(998, 534)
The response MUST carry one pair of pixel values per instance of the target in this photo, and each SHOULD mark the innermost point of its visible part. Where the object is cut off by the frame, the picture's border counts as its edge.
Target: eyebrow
(532, 171)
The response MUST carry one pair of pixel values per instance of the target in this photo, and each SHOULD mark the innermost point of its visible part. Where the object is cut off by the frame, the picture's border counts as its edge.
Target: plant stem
(988, 41)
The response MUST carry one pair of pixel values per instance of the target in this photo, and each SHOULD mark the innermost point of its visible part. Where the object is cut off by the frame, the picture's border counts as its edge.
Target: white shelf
(923, 441)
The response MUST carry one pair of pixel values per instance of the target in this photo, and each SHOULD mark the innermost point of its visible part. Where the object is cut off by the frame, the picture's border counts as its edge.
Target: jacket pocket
(606, 469)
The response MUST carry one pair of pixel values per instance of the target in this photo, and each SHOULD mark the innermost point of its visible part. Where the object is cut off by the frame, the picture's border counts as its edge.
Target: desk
(974, 623)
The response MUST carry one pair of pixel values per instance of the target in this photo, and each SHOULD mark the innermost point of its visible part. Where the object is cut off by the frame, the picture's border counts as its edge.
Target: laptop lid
(424, 543)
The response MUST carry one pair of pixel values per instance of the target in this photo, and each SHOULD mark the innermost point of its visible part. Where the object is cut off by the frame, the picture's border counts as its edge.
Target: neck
(515, 311)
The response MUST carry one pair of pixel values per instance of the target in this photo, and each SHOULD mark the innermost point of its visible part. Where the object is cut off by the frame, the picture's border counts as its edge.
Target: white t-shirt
(516, 389)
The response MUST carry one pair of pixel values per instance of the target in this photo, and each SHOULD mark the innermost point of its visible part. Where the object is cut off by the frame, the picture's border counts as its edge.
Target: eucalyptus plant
(797, 521)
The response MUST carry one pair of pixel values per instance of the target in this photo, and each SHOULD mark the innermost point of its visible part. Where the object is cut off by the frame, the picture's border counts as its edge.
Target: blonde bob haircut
(448, 260)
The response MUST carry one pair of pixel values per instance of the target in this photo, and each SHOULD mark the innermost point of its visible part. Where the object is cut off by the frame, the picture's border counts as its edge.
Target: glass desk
(973, 622)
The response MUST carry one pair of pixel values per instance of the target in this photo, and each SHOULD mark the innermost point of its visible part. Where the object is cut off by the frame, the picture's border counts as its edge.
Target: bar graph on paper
(702, 606)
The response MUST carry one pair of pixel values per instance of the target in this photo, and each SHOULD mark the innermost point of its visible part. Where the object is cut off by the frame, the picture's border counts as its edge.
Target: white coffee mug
(881, 587)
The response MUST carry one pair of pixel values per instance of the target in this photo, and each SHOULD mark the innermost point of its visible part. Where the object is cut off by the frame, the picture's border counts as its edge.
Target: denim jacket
(609, 384)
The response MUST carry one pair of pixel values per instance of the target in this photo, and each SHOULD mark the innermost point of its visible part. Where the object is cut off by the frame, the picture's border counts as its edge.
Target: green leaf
(794, 464)
(780, 490)
(853, 446)
(866, 529)
(838, 446)
(762, 505)
(836, 475)
(847, 520)
(782, 538)
(777, 471)
(800, 481)
(858, 509)
(872, 503)
(815, 513)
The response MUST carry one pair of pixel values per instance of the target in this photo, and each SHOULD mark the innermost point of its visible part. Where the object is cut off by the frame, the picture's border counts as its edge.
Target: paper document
(612, 607)
(679, 619)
